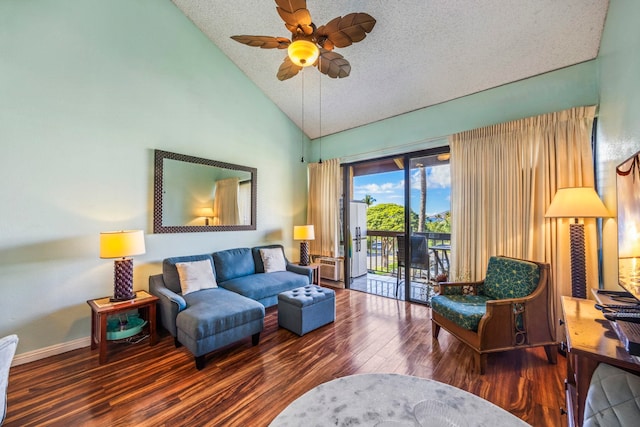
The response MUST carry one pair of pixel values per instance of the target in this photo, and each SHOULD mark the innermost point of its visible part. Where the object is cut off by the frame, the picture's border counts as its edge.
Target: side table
(315, 269)
(102, 308)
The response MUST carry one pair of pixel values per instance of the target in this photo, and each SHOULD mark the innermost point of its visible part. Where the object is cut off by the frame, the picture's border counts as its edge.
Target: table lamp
(304, 233)
(122, 244)
(207, 214)
(577, 202)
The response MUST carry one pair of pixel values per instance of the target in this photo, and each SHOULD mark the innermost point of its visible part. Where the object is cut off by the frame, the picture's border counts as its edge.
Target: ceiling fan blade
(291, 5)
(344, 31)
(333, 64)
(264, 42)
(287, 69)
(295, 15)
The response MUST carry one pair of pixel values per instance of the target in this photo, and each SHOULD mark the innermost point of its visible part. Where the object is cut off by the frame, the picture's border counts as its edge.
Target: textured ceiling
(420, 53)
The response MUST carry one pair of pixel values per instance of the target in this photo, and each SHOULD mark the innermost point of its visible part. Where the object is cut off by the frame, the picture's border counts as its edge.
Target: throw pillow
(196, 275)
(273, 260)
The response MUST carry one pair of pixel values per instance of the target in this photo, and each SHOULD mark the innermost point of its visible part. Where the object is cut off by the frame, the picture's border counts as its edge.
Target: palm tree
(368, 199)
(423, 197)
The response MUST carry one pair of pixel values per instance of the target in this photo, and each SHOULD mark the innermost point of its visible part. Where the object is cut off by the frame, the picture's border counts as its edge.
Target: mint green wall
(88, 89)
(619, 118)
(429, 127)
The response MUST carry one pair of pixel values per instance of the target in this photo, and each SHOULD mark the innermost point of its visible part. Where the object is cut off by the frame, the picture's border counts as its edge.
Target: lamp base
(123, 280)
(578, 267)
(304, 253)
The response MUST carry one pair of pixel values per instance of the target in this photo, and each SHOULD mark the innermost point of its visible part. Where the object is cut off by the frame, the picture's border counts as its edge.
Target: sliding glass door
(405, 203)
(428, 221)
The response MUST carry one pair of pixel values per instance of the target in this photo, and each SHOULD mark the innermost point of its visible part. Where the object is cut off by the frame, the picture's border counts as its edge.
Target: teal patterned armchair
(509, 309)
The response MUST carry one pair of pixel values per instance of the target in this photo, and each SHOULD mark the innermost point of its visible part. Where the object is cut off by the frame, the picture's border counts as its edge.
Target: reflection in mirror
(195, 194)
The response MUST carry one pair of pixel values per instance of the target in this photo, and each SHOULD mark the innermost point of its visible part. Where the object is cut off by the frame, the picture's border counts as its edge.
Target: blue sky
(388, 187)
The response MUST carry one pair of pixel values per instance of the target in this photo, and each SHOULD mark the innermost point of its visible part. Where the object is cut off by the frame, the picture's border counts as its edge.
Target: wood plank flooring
(244, 385)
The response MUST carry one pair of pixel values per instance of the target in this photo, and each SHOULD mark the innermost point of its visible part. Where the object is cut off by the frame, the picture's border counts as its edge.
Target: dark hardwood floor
(244, 385)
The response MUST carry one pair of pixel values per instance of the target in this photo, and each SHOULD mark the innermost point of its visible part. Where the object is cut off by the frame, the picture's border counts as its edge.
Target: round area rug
(386, 400)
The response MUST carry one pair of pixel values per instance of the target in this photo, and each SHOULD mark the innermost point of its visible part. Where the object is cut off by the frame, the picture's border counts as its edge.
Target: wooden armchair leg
(552, 353)
(480, 361)
(435, 329)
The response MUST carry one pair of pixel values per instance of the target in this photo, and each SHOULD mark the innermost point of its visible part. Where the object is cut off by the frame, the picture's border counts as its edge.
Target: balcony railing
(382, 250)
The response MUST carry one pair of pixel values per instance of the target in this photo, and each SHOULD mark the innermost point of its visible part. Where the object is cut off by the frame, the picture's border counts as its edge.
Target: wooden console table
(590, 340)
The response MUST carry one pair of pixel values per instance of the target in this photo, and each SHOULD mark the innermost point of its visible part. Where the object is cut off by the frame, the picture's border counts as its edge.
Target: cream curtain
(503, 180)
(244, 202)
(323, 206)
(225, 202)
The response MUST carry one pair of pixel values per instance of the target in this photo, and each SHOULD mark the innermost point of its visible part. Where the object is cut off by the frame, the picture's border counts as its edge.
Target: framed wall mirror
(192, 194)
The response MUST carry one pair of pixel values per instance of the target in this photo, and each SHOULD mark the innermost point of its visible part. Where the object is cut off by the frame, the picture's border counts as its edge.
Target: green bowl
(133, 326)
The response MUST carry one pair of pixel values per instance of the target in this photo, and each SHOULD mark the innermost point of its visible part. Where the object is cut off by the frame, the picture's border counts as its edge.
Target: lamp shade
(577, 202)
(303, 53)
(120, 244)
(206, 212)
(303, 232)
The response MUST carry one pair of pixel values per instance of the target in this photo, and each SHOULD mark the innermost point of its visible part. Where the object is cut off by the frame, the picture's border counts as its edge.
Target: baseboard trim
(32, 356)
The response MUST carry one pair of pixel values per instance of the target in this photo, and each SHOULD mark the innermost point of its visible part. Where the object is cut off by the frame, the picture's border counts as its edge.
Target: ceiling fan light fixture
(307, 40)
(303, 53)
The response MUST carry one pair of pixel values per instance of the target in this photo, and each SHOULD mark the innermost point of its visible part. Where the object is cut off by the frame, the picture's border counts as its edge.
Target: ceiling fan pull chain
(320, 98)
(302, 130)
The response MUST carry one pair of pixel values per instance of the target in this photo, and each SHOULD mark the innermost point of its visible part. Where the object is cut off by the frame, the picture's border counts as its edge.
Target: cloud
(378, 189)
(437, 177)
(392, 191)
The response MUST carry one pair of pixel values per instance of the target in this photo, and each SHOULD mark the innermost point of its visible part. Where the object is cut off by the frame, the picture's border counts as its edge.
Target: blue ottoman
(304, 309)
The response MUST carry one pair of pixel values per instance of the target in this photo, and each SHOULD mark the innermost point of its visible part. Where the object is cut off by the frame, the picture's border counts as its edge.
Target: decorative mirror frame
(158, 227)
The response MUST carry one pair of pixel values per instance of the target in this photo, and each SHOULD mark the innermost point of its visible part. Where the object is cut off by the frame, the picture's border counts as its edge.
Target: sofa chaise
(232, 306)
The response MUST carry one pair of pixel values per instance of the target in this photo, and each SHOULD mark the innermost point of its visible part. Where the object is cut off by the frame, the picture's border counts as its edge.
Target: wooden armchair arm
(479, 282)
(508, 301)
(473, 285)
(497, 326)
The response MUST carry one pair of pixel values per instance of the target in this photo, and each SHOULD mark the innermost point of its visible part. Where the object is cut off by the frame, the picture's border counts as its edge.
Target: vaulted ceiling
(420, 52)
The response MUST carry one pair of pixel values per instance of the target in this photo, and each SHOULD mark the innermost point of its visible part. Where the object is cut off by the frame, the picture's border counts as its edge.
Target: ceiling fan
(311, 45)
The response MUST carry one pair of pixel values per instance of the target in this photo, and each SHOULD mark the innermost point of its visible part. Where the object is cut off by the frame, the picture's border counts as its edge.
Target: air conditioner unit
(331, 269)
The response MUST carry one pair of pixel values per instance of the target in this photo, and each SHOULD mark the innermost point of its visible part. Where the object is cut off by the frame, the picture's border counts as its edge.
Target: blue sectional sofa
(208, 319)
(242, 271)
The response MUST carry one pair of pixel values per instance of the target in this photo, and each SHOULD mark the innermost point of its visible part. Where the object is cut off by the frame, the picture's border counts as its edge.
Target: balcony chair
(419, 257)
(509, 309)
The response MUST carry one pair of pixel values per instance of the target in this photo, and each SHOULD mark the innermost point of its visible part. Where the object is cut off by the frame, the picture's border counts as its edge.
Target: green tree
(388, 217)
(440, 223)
(368, 199)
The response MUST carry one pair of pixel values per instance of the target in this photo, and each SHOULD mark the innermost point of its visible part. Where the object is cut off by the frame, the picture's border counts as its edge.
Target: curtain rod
(398, 149)
(402, 149)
